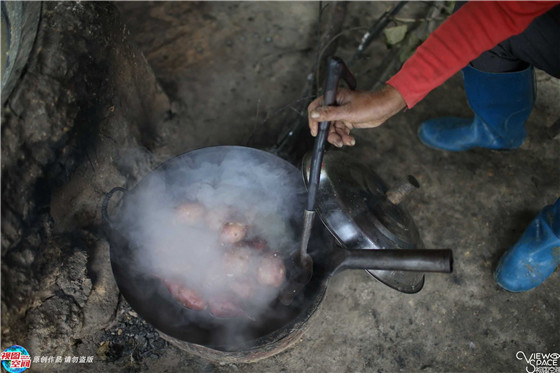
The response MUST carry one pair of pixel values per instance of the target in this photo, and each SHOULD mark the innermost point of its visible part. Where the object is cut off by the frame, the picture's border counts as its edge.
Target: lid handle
(399, 192)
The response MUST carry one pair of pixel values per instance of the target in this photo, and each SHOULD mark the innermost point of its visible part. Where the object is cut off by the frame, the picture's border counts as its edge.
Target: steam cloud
(240, 187)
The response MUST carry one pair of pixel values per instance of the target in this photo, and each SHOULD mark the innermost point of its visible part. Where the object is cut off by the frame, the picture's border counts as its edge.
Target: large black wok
(237, 340)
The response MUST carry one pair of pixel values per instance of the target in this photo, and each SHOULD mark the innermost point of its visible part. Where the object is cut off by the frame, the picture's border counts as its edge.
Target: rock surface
(86, 97)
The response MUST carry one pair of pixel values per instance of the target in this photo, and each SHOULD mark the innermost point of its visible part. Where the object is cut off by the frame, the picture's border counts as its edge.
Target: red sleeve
(472, 30)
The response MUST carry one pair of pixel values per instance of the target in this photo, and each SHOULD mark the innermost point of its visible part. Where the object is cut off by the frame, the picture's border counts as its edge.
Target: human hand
(356, 109)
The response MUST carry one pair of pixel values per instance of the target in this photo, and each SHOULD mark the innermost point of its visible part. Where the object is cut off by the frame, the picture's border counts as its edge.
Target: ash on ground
(131, 339)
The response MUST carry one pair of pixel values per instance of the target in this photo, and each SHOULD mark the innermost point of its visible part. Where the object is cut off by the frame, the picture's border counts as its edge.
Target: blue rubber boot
(535, 256)
(501, 103)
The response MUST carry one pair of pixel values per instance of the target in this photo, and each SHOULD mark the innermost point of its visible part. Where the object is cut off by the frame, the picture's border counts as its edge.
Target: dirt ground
(231, 64)
(228, 68)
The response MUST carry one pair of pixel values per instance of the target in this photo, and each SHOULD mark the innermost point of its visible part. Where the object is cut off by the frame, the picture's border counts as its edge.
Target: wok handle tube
(423, 260)
(336, 69)
(105, 204)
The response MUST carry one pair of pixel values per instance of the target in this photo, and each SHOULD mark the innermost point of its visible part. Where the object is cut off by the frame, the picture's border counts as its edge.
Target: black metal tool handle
(336, 69)
(398, 260)
(105, 204)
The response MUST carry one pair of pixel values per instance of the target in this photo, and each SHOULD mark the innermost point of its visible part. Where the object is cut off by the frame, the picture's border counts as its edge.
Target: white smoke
(238, 187)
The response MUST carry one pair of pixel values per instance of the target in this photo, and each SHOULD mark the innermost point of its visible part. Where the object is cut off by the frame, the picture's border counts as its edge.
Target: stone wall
(86, 97)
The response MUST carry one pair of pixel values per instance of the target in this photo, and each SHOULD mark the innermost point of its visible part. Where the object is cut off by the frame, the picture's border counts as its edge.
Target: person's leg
(538, 45)
(535, 256)
(501, 103)
(500, 90)
(499, 60)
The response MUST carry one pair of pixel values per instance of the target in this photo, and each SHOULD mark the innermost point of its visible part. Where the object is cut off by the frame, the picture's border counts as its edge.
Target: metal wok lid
(353, 205)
